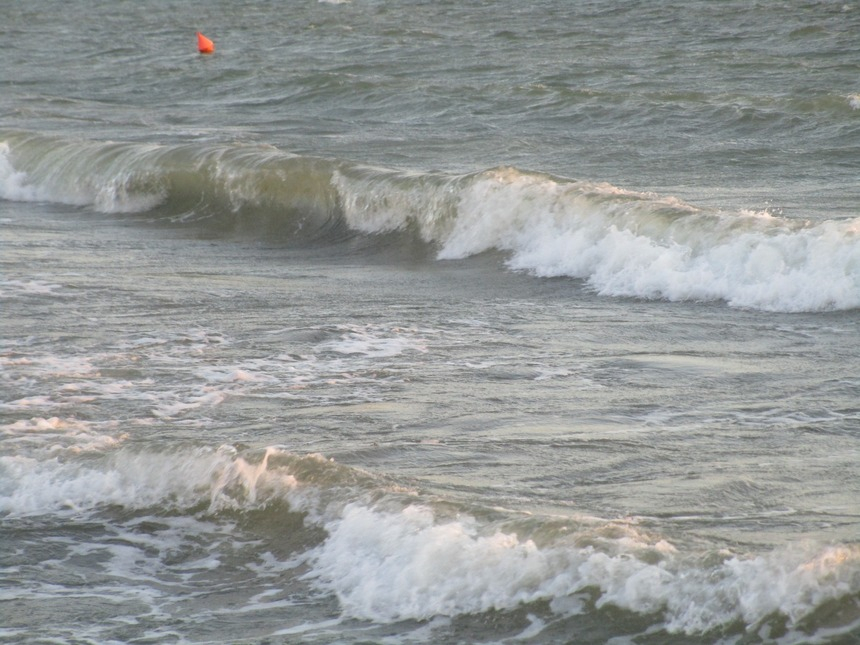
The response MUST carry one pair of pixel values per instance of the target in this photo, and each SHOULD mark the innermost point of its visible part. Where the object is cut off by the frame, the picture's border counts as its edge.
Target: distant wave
(620, 242)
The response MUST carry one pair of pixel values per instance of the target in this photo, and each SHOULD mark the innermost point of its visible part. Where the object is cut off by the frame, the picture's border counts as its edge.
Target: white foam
(181, 479)
(345, 368)
(232, 374)
(376, 342)
(14, 184)
(52, 365)
(55, 435)
(622, 243)
(628, 244)
(28, 402)
(404, 562)
(387, 567)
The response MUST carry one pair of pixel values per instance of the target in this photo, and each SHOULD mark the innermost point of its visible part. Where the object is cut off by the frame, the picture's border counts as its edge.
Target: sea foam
(619, 242)
(181, 480)
(388, 555)
(639, 245)
(388, 567)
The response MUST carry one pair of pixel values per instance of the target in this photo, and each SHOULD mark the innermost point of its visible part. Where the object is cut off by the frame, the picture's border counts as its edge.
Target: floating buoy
(204, 45)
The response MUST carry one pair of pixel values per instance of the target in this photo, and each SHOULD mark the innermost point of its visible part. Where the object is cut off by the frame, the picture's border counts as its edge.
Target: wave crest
(621, 243)
(390, 554)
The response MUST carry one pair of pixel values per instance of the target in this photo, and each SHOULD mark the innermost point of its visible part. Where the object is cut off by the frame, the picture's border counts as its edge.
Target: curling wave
(620, 242)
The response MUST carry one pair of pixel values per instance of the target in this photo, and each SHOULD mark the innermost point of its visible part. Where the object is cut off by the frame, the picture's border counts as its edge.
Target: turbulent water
(430, 322)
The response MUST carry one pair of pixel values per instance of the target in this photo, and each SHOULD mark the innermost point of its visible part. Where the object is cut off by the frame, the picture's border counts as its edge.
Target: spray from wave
(621, 243)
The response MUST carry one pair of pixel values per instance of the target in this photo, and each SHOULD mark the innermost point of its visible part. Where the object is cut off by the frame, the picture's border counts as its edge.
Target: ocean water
(430, 322)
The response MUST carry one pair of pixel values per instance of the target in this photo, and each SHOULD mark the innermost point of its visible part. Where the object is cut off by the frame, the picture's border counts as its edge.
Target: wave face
(621, 243)
(390, 554)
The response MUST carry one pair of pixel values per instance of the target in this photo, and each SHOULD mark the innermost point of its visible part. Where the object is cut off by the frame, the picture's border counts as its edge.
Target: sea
(430, 321)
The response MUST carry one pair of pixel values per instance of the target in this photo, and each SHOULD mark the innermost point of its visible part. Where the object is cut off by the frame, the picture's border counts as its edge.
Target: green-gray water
(430, 322)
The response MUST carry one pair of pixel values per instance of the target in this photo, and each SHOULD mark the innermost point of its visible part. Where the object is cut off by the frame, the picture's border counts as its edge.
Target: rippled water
(430, 322)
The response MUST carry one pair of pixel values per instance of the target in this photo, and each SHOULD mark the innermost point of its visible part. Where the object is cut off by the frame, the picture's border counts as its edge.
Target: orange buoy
(204, 45)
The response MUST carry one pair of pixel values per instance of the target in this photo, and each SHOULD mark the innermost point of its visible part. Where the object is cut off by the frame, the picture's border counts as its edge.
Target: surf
(617, 242)
(390, 553)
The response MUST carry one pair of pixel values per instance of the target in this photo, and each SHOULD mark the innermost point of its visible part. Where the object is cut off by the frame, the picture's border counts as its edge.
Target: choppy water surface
(430, 322)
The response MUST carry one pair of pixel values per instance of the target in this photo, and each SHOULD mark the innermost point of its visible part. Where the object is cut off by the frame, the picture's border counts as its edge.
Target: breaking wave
(389, 554)
(620, 242)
